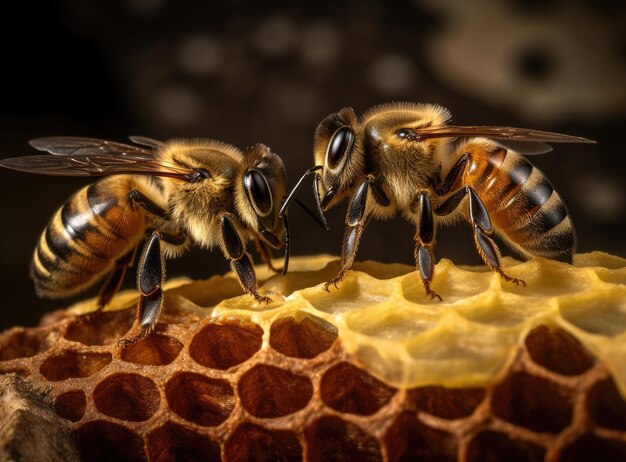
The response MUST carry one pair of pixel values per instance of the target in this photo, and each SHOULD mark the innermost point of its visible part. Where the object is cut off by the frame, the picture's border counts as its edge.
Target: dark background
(247, 71)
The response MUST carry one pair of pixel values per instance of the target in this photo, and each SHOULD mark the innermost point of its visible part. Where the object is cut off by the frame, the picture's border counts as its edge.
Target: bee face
(338, 150)
(263, 183)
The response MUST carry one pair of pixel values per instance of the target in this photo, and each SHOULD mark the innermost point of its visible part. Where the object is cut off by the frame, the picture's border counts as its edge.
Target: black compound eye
(258, 192)
(339, 146)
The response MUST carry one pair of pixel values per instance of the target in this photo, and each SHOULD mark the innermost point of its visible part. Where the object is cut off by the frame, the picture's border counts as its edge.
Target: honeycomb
(374, 370)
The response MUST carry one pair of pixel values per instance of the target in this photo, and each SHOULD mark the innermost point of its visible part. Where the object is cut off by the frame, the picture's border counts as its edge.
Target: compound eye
(339, 146)
(258, 192)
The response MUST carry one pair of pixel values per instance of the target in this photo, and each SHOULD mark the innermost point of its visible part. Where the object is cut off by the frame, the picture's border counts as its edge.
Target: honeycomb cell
(302, 339)
(332, 439)
(127, 397)
(22, 343)
(603, 316)
(72, 364)
(347, 388)
(71, 405)
(410, 440)
(253, 443)
(154, 350)
(222, 346)
(606, 405)
(590, 447)
(102, 328)
(105, 441)
(558, 351)
(174, 442)
(268, 391)
(532, 402)
(494, 446)
(199, 399)
(447, 403)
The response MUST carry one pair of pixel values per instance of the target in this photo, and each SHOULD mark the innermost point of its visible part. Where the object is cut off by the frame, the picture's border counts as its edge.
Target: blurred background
(246, 71)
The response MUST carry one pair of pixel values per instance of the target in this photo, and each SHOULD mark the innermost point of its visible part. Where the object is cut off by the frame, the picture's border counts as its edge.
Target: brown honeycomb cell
(372, 371)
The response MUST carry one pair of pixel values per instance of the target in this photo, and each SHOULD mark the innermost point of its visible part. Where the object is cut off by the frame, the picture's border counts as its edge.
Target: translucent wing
(75, 145)
(504, 133)
(75, 156)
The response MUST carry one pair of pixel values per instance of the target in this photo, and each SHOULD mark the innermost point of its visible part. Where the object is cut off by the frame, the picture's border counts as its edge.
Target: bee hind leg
(240, 261)
(356, 219)
(481, 225)
(150, 279)
(424, 244)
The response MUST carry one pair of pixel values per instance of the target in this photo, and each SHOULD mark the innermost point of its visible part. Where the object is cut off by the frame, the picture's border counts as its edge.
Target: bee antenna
(286, 261)
(283, 210)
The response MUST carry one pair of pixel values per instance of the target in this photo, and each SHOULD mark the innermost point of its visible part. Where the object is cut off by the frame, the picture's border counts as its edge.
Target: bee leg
(150, 279)
(356, 219)
(481, 224)
(266, 255)
(240, 260)
(115, 279)
(424, 244)
(140, 199)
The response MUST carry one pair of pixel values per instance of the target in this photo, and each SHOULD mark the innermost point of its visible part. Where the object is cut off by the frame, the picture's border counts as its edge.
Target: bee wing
(76, 145)
(97, 165)
(503, 133)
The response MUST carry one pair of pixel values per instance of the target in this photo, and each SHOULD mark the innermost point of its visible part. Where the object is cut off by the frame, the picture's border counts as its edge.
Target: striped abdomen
(85, 237)
(523, 206)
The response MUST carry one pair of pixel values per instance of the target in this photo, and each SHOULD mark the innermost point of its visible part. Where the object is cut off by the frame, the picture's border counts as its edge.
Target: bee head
(337, 148)
(263, 187)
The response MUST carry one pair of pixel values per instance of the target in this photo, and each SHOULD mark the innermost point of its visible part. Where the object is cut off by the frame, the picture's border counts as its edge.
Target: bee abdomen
(525, 208)
(83, 239)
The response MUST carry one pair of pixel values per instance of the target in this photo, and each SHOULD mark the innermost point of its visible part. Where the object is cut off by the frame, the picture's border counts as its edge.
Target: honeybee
(404, 158)
(170, 193)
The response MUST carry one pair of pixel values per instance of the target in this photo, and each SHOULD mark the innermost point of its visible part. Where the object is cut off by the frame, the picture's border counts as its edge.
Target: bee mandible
(404, 158)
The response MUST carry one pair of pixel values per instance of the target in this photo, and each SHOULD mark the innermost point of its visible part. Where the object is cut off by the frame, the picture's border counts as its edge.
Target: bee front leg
(481, 225)
(240, 260)
(425, 243)
(266, 255)
(356, 219)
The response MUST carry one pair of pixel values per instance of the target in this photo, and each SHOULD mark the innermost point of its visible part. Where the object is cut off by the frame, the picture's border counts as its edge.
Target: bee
(170, 194)
(404, 158)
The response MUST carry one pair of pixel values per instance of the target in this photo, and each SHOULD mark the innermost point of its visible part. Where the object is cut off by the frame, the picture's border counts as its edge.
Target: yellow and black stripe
(84, 238)
(522, 204)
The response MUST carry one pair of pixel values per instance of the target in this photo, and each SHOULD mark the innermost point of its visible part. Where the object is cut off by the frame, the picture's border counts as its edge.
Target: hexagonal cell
(503, 310)
(71, 405)
(355, 292)
(306, 338)
(102, 328)
(382, 322)
(252, 443)
(532, 402)
(493, 446)
(558, 351)
(456, 285)
(154, 350)
(447, 403)
(330, 438)
(590, 447)
(105, 441)
(175, 442)
(127, 397)
(551, 281)
(200, 399)
(408, 439)
(23, 343)
(606, 405)
(72, 364)
(347, 388)
(222, 346)
(268, 391)
(605, 316)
